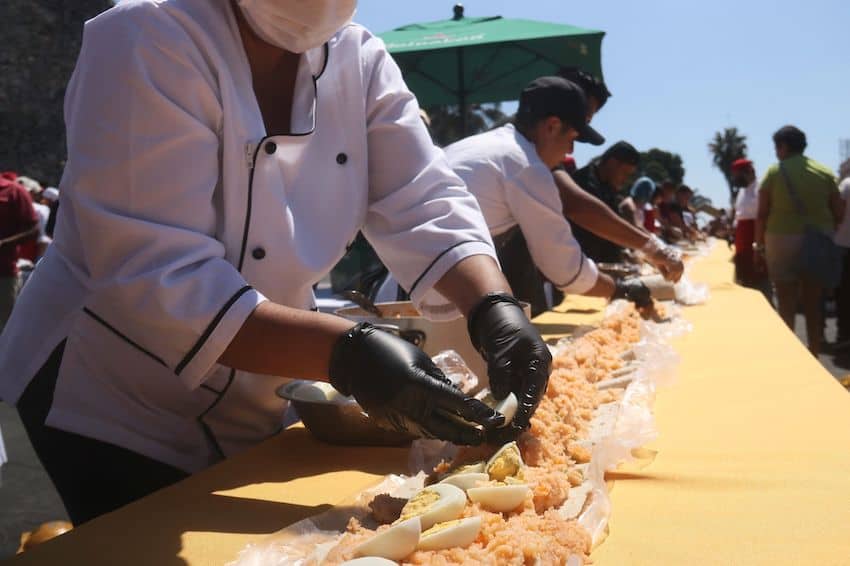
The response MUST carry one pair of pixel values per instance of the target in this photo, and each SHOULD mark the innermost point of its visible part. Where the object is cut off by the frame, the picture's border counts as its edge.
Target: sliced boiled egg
(435, 504)
(506, 406)
(319, 392)
(470, 468)
(451, 534)
(499, 498)
(506, 462)
(369, 561)
(465, 480)
(393, 543)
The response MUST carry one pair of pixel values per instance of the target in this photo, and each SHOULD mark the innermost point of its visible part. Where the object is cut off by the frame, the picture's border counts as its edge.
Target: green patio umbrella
(473, 60)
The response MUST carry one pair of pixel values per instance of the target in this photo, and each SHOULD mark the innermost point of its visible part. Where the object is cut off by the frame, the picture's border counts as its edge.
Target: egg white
(508, 407)
(471, 468)
(394, 543)
(319, 392)
(369, 561)
(448, 507)
(459, 535)
(466, 480)
(499, 498)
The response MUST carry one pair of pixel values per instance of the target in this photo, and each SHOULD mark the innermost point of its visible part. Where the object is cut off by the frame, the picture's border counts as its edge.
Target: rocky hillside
(41, 39)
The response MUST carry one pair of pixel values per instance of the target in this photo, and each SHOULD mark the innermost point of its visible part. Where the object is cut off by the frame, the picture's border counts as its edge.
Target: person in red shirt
(18, 223)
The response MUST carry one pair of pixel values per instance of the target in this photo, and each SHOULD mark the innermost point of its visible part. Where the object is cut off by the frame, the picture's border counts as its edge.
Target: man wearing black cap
(509, 171)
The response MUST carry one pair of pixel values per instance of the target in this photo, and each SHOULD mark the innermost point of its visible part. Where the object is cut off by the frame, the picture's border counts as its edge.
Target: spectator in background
(747, 273)
(34, 248)
(719, 226)
(50, 197)
(682, 209)
(780, 227)
(603, 178)
(595, 90)
(676, 214)
(842, 293)
(634, 207)
(18, 223)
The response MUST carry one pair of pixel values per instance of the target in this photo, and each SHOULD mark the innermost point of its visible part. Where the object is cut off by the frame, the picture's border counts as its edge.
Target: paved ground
(27, 498)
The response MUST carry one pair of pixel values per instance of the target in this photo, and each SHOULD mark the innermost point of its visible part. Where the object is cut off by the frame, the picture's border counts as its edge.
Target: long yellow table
(752, 465)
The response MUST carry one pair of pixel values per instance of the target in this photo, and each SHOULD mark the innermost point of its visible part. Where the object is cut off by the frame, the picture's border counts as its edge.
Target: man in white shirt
(746, 209)
(509, 171)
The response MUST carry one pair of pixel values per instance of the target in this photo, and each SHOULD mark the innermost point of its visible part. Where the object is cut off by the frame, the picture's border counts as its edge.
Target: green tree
(660, 165)
(446, 124)
(726, 147)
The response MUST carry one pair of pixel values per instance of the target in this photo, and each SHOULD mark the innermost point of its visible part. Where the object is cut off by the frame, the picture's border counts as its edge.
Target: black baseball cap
(556, 96)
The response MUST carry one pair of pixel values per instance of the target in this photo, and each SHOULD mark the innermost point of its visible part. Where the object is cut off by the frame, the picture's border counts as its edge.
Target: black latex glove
(401, 389)
(633, 290)
(517, 358)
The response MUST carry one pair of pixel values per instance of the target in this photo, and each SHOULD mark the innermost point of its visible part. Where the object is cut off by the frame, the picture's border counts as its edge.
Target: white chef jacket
(514, 187)
(747, 203)
(180, 214)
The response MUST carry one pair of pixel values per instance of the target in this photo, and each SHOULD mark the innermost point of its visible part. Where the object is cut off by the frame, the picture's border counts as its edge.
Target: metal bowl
(340, 421)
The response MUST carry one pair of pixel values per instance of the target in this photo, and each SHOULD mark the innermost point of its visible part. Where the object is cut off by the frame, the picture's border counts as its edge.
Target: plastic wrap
(688, 293)
(307, 542)
(616, 431)
(452, 364)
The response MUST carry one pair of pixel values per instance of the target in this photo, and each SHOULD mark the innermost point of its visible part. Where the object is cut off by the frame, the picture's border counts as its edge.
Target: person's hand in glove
(665, 258)
(517, 359)
(633, 290)
(401, 389)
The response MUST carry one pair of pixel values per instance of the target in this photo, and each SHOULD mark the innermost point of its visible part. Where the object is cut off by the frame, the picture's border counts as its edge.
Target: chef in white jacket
(221, 155)
(509, 170)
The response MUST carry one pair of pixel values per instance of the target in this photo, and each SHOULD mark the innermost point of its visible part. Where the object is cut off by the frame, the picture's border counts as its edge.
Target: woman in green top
(780, 226)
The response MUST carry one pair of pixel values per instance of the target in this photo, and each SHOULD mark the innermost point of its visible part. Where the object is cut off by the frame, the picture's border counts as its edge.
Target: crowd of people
(27, 218)
(792, 237)
(208, 191)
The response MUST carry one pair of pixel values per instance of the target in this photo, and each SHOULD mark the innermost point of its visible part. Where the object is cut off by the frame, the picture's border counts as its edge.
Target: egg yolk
(418, 504)
(440, 527)
(506, 464)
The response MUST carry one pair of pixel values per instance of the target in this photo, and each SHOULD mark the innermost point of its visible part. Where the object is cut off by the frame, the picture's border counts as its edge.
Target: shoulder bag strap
(795, 198)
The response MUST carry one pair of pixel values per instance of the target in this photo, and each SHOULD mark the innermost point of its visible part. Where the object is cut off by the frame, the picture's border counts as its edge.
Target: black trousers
(519, 269)
(842, 300)
(92, 477)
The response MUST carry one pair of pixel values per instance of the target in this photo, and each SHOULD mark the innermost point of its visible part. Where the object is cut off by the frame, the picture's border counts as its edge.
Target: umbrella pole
(461, 92)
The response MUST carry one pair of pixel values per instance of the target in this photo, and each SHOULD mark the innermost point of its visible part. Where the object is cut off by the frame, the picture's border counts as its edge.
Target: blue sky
(682, 70)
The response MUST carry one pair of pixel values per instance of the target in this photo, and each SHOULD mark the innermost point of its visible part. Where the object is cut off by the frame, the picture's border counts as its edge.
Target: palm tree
(726, 147)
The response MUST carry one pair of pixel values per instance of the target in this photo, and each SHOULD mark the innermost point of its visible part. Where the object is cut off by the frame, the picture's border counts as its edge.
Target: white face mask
(297, 25)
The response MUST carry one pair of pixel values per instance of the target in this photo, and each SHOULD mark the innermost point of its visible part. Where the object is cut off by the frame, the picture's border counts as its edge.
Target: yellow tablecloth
(753, 463)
